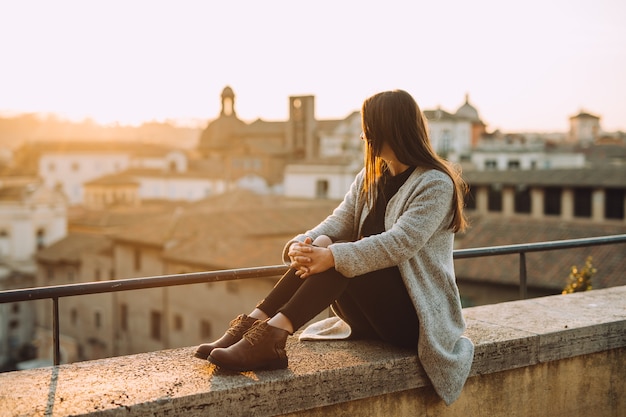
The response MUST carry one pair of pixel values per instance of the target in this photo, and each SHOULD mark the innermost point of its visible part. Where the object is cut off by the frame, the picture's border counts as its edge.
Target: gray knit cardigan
(418, 240)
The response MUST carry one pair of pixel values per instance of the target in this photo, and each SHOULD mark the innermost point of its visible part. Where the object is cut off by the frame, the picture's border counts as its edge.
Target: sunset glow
(525, 66)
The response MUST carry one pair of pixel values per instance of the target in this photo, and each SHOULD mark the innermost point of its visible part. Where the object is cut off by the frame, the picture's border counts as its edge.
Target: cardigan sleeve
(420, 208)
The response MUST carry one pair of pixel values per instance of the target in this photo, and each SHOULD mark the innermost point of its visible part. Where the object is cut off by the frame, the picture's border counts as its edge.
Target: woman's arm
(416, 213)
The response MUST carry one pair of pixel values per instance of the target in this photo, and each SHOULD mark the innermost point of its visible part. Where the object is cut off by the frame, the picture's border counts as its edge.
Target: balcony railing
(55, 292)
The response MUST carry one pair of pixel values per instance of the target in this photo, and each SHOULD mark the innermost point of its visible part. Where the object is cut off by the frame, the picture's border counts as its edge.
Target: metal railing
(68, 290)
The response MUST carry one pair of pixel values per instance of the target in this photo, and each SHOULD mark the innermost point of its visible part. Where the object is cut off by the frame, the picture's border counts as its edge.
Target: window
(123, 317)
(470, 199)
(74, 317)
(552, 201)
(97, 319)
(494, 202)
(491, 164)
(521, 199)
(514, 164)
(178, 322)
(205, 329)
(321, 189)
(582, 202)
(155, 325)
(445, 143)
(15, 308)
(40, 239)
(614, 203)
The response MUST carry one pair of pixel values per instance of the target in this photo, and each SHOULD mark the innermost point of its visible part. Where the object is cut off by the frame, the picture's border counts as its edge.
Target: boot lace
(255, 333)
(238, 326)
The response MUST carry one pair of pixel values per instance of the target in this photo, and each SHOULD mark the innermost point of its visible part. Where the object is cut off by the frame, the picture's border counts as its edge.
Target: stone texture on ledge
(173, 383)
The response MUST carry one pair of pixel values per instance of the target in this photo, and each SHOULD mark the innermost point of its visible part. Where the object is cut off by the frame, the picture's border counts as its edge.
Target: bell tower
(301, 127)
(228, 102)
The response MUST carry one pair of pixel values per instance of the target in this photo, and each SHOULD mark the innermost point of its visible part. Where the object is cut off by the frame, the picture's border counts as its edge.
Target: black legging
(375, 305)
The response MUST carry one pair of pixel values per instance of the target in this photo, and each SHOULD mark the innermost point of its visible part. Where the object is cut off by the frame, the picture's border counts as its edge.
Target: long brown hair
(393, 117)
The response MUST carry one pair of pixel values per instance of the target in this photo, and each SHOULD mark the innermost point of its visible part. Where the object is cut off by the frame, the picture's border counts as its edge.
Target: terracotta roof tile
(70, 248)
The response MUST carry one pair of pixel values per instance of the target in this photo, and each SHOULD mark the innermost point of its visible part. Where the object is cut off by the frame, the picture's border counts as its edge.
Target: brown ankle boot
(238, 327)
(262, 347)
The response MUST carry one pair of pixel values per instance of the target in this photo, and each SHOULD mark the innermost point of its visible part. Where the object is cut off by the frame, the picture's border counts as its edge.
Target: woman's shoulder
(430, 175)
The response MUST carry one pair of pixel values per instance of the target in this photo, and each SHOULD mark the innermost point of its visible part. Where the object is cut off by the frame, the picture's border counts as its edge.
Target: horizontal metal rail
(539, 246)
(69, 290)
(85, 288)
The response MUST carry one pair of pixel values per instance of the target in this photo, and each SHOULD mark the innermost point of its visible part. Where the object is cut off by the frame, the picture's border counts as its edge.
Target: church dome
(222, 132)
(467, 111)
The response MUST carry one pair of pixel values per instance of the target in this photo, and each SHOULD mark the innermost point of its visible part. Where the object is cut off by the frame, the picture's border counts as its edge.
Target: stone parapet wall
(559, 356)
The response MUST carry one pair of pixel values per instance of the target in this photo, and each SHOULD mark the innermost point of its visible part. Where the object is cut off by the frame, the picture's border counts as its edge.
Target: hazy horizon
(526, 66)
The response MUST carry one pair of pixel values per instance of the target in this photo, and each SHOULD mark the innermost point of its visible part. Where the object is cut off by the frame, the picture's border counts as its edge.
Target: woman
(382, 259)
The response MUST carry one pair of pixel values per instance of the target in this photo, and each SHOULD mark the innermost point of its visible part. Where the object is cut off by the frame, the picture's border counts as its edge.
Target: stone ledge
(173, 383)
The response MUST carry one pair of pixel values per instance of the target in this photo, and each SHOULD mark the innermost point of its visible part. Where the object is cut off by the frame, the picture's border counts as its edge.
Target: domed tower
(228, 102)
(469, 113)
(223, 132)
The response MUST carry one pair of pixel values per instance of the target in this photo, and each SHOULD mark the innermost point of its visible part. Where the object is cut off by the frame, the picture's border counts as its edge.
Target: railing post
(55, 331)
(522, 275)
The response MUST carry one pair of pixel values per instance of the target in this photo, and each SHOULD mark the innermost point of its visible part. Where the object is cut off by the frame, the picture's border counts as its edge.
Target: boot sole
(200, 355)
(281, 363)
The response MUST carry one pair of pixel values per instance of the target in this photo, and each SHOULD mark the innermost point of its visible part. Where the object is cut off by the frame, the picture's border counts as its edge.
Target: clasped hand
(308, 259)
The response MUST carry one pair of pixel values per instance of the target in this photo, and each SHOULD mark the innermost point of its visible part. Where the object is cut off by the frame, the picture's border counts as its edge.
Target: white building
(31, 217)
(584, 128)
(69, 165)
(454, 134)
(499, 156)
(328, 173)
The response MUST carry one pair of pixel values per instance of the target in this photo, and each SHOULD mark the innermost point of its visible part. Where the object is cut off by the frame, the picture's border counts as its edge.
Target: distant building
(328, 172)
(507, 154)
(514, 207)
(595, 195)
(68, 165)
(32, 217)
(584, 128)
(454, 134)
(259, 152)
(103, 174)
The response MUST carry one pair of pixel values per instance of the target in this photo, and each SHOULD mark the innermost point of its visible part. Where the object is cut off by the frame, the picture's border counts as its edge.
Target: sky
(526, 66)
